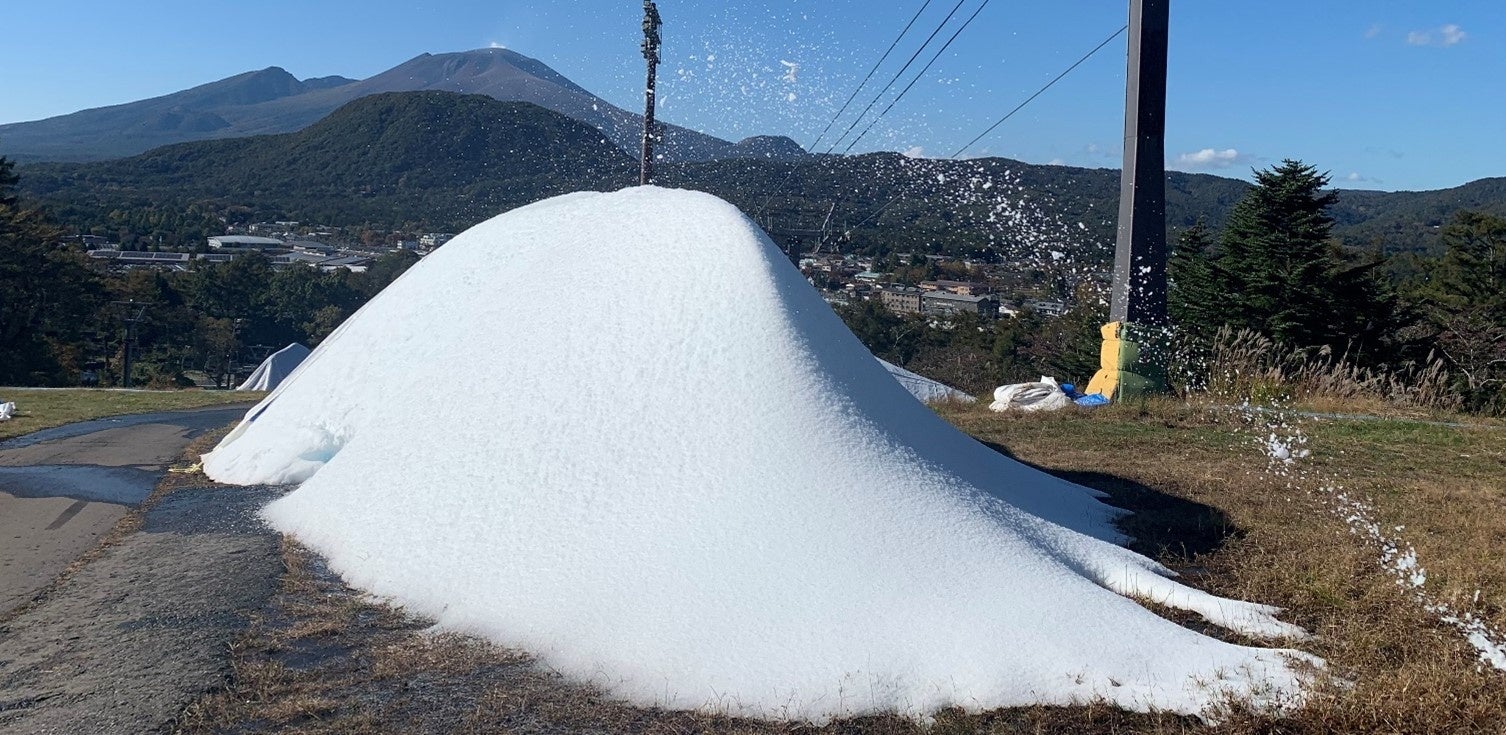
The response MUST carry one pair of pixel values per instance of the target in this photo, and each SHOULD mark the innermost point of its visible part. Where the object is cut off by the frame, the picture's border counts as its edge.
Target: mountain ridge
(439, 155)
(271, 100)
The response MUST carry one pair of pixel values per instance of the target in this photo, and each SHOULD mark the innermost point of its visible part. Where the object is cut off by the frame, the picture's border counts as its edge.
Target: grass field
(38, 409)
(1208, 502)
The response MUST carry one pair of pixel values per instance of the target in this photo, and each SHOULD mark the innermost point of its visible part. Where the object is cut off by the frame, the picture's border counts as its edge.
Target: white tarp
(1045, 395)
(276, 368)
(924, 388)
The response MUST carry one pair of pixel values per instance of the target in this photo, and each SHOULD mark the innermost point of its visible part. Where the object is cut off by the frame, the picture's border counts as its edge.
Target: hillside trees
(47, 293)
(1462, 299)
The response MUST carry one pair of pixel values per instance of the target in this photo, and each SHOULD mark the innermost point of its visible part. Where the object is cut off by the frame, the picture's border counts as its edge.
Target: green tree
(1277, 271)
(8, 181)
(1196, 300)
(47, 294)
(1463, 299)
(1275, 262)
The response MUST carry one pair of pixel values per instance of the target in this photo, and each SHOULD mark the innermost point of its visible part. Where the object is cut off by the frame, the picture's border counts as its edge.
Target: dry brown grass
(39, 408)
(1410, 674)
(325, 660)
(1247, 365)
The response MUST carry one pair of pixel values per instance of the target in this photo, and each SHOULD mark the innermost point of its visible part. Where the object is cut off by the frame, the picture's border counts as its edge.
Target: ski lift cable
(922, 73)
(1042, 90)
(812, 147)
(896, 77)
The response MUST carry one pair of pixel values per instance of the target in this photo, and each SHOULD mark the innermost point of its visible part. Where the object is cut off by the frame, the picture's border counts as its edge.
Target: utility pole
(135, 313)
(1132, 362)
(651, 25)
(1139, 293)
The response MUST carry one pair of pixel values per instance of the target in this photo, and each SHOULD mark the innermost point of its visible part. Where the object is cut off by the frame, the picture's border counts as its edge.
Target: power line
(866, 79)
(922, 73)
(795, 167)
(1042, 90)
(897, 75)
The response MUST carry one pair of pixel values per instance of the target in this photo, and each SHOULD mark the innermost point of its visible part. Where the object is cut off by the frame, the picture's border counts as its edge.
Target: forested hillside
(443, 161)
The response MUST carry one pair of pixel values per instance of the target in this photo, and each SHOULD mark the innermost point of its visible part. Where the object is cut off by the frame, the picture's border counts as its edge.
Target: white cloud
(494, 44)
(1356, 177)
(1056, 162)
(914, 152)
(1374, 30)
(1448, 35)
(1098, 151)
(1211, 158)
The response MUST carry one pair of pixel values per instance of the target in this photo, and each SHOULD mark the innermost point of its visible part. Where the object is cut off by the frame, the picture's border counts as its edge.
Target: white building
(244, 242)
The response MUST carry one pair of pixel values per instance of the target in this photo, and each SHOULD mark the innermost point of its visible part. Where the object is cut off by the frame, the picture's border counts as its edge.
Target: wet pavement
(62, 489)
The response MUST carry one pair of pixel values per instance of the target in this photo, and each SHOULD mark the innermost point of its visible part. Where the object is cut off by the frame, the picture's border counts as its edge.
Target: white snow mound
(688, 482)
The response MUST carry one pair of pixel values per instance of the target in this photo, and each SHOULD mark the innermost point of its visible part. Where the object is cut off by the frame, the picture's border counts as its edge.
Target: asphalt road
(64, 488)
(131, 639)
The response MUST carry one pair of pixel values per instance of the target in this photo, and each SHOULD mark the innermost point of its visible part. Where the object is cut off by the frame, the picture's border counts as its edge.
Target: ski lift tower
(651, 25)
(132, 312)
(1133, 358)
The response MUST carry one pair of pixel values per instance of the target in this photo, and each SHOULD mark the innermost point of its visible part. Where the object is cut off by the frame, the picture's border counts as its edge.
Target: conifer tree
(1463, 301)
(1198, 297)
(1277, 255)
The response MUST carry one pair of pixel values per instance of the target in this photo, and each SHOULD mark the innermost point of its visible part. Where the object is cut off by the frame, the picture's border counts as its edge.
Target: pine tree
(1197, 298)
(46, 293)
(1463, 300)
(1277, 255)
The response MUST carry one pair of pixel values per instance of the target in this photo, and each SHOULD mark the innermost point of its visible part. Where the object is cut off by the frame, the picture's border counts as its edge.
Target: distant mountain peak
(329, 82)
(271, 100)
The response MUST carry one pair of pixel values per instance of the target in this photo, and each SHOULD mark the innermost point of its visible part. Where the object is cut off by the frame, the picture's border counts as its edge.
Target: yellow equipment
(1125, 370)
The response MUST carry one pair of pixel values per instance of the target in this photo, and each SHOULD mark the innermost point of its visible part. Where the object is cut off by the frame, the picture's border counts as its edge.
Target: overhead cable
(1042, 90)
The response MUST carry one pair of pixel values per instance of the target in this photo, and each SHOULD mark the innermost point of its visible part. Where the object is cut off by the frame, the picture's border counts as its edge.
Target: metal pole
(135, 312)
(126, 372)
(651, 25)
(1139, 290)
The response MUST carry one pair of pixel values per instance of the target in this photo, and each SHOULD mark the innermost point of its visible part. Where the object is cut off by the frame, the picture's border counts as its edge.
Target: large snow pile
(703, 491)
(276, 368)
(923, 388)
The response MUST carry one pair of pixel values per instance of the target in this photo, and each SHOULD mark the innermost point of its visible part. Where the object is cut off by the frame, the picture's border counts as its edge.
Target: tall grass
(1243, 365)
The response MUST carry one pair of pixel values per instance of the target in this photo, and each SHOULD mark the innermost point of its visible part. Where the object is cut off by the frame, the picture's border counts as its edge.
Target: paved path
(62, 489)
(144, 629)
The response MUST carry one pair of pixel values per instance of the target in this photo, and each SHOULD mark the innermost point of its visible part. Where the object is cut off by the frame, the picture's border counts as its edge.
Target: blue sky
(1382, 93)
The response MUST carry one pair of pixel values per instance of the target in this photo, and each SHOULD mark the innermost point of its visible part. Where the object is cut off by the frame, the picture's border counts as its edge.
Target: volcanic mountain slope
(432, 156)
(273, 101)
(205, 111)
